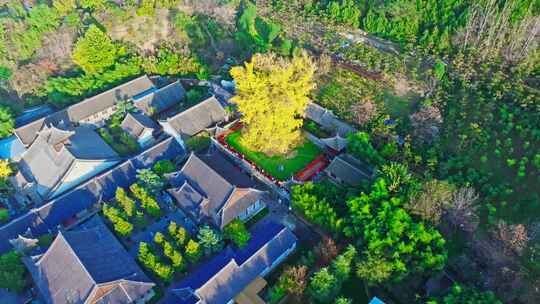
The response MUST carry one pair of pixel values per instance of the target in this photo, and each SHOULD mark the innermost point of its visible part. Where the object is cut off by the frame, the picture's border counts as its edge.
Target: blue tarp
(376, 300)
(11, 147)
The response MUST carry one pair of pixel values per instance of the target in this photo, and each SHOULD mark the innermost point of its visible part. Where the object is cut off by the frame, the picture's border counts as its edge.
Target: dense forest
(445, 94)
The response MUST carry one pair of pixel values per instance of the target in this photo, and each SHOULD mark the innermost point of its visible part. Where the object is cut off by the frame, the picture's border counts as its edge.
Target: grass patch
(341, 89)
(119, 140)
(397, 106)
(280, 167)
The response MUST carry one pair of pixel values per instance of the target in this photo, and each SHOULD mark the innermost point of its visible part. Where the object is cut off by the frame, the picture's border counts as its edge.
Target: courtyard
(279, 167)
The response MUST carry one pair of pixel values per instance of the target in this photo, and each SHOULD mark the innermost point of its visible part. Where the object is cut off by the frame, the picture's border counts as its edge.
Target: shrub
(361, 147)
(164, 166)
(12, 272)
(236, 232)
(193, 251)
(7, 121)
(323, 286)
(148, 203)
(210, 240)
(4, 216)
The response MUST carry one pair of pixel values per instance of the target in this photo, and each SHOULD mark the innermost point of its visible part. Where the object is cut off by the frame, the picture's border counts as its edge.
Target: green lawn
(305, 154)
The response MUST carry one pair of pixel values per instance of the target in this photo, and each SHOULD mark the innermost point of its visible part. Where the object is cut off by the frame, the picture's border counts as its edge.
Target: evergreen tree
(94, 52)
(237, 232)
(323, 286)
(210, 240)
(127, 204)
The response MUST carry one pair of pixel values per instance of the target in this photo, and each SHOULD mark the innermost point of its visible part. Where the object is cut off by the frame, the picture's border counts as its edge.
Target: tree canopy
(272, 95)
(12, 272)
(95, 51)
(7, 121)
(237, 232)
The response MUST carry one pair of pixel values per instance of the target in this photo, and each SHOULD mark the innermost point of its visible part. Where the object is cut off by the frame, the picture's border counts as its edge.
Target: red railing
(312, 169)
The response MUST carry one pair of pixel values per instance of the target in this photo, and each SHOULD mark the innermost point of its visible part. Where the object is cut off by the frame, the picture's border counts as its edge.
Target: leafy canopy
(237, 232)
(392, 235)
(272, 95)
(95, 51)
(12, 272)
(7, 121)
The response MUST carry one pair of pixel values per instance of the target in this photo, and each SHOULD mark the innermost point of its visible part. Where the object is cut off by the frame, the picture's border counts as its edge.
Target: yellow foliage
(5, 169)
(272, 95)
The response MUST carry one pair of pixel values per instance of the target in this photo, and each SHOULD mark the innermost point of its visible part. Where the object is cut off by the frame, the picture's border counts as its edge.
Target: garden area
(198, 142)
(170, 253)
(115, 136)
(279, 167)
(136, 208)
(173, 252)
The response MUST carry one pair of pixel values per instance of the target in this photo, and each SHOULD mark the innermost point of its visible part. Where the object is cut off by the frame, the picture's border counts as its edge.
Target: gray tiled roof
(203, 180)
(78, 261)
(135, 124)
(328, 120)
(207, 195)
(109, 98)
(238, 202)
(55, 212)
(48, 161)
(225, 167)
(87, 144)
(190, 199)
(199, 117)
(75, 113)
(221, 279)
(349, 169)
(336, 143)
(161, 99)
(28, 133)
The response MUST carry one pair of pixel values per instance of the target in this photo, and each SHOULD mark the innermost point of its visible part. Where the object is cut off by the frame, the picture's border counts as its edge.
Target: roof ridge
(60, 234)
(232, 259)
(266, 244)
(102, 93)
(169, 85)
(208, 167)
(351, 165)
(207, 100)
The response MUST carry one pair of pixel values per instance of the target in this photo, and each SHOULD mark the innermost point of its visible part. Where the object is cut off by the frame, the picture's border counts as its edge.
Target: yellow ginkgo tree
(272, 95)
(5, 169)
